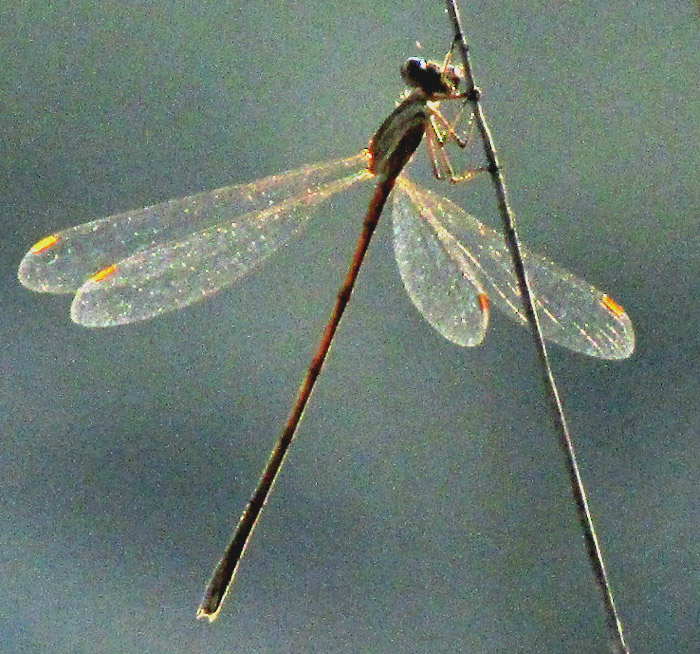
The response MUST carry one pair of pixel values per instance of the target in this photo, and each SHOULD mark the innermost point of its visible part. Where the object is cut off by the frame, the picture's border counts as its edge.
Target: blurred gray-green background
(424, 507)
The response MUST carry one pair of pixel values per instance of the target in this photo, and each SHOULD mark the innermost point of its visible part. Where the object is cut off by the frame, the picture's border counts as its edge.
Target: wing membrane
(437, 275)
(139, 264)
(136, 265)
(66, 260)
(573, 313)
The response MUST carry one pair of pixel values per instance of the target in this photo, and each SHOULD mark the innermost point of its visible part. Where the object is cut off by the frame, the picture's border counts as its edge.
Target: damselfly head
(436, 80)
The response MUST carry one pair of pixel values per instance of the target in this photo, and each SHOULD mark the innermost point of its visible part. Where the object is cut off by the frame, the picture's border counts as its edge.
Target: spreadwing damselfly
(140, 264)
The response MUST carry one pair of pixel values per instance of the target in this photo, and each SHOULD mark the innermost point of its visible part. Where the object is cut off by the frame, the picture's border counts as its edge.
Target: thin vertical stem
(511, 236)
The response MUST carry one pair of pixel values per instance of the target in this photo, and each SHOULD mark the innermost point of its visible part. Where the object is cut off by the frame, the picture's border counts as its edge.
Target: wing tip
(624, 346)
(44, 244)
(617, 310)
(102, 274)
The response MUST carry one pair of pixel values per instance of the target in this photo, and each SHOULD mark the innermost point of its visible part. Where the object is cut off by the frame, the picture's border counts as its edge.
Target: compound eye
(416, 63)
(412, 70)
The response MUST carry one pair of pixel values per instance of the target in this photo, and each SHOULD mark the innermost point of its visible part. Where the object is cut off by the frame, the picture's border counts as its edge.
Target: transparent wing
(572, 312)
(438, 276)
(139, 264)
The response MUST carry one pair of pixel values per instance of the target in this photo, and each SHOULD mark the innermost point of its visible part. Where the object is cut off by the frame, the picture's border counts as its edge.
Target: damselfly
(140, 264)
